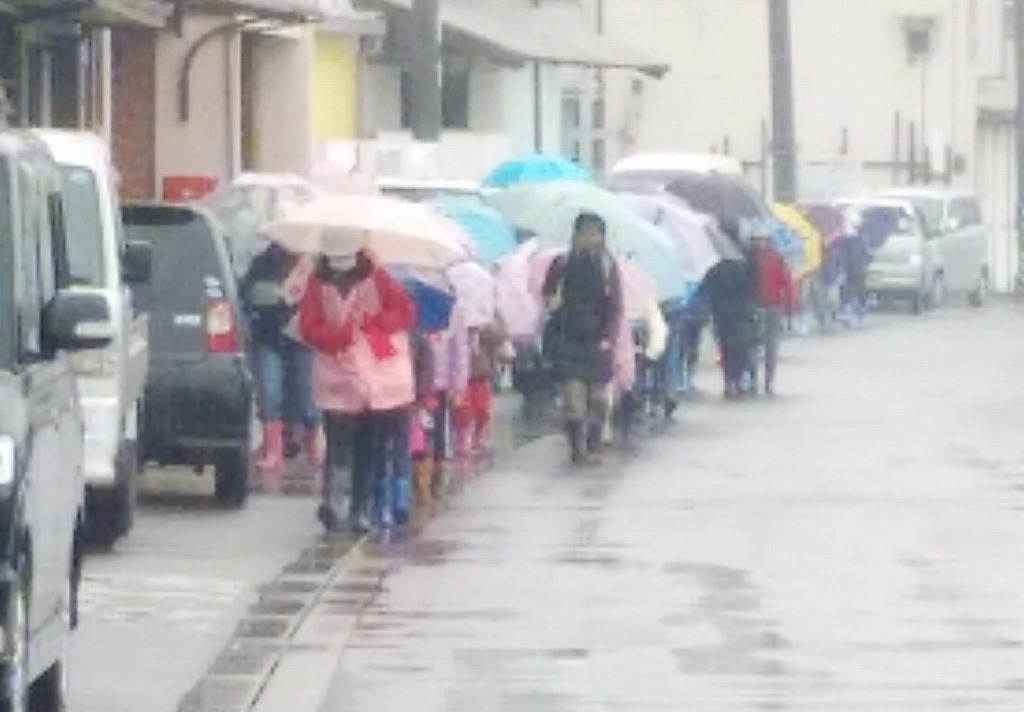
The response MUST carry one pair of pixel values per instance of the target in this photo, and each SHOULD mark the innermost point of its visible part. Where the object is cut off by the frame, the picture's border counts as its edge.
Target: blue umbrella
(535, 169)
(433, 304)
(494, 236)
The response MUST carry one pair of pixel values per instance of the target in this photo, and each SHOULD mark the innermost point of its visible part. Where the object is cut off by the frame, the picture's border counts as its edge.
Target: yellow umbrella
(796, 221)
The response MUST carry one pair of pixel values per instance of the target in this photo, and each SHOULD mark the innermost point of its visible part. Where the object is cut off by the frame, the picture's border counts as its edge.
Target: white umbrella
(395, 231)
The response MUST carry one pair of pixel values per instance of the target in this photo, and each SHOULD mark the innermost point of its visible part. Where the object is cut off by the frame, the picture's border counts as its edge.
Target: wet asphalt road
(158, 609)
(853, 545)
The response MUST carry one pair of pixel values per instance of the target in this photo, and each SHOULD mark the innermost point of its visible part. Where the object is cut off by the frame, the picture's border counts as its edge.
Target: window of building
(455, 94)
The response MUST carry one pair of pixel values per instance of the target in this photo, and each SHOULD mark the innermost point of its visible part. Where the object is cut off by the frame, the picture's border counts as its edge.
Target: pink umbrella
(475, 291)
(519, 306)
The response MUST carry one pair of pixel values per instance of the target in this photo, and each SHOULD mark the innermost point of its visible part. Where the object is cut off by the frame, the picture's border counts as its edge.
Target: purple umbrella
(690, 232)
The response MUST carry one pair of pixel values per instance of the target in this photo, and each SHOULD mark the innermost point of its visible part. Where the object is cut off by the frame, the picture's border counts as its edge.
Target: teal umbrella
(549, 210)
(535, 169)
(494, 236)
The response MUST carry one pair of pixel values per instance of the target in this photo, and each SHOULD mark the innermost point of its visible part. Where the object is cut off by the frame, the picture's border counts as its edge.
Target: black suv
(199, 393)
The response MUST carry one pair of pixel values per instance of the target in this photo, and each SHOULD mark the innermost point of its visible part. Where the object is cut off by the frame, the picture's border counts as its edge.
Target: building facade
(886, 92)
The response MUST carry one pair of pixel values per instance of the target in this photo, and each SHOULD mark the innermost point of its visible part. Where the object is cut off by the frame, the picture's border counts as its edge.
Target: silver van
(903, 268)
(958, 237)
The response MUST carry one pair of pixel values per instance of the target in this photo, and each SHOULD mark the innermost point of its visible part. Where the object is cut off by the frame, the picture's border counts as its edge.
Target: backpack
(552, 339)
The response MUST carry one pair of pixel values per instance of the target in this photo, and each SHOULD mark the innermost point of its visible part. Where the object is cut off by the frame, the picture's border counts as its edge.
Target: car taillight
(221, 330)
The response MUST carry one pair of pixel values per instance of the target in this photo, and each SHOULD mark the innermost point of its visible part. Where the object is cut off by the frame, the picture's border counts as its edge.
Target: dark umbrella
(827, 218)
(725, 197)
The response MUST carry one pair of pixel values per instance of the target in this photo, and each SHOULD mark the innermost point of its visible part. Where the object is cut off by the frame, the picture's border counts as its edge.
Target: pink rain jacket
(363, 360)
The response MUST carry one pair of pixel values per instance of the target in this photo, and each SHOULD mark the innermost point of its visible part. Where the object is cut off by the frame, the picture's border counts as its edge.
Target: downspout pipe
(184, 76)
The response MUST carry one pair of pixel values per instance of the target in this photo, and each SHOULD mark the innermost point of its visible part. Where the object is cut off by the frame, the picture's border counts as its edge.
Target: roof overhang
(290, 11)
(512, 33)
(97, 13)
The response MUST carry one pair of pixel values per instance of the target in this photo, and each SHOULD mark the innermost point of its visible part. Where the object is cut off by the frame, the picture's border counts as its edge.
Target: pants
(441, 424)
(394, 482)
(338, 430)
(285, 384)
(585, 403)
(692, 336)
(473, 417)
(374, 444)
(733, 335)
(772, 325)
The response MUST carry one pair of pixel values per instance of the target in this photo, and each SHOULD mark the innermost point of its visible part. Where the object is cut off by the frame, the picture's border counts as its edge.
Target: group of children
(456, 372)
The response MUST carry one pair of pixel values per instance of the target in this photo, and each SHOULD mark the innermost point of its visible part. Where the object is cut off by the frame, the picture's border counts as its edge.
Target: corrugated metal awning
(514, 32)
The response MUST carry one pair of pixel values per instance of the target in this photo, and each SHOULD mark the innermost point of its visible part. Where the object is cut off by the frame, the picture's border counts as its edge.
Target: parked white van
(959, 238)
(111, 380)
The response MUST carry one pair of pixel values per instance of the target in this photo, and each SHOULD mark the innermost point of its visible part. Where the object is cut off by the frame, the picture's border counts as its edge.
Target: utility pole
(1019, 41)
(783, 122)
(425, 71)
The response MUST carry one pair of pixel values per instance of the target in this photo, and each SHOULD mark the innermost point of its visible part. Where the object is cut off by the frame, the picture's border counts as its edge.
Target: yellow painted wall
(335, 73)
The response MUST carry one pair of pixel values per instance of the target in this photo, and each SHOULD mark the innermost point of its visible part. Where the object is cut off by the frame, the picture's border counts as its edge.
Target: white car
(646, 172)
(42, 495)
(111, 379)
(959, 238)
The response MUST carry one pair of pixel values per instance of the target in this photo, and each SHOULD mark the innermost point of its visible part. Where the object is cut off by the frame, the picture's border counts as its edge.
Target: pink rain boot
(271, 461)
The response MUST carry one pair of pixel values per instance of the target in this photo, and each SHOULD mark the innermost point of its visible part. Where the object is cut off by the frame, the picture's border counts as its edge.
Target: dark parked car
(199, 393)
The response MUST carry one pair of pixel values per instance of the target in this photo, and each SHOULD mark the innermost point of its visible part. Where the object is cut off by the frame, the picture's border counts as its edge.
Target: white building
(513, 74)
(897, 91)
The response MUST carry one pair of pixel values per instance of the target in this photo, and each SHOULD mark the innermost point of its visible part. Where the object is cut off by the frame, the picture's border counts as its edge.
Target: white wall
(850, 65)
(282, 103)
(200, 146)
(501, 101)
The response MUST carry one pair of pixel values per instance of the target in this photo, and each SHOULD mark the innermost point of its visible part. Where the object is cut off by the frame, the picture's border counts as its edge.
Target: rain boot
(423, 469)
(595, 441)
(577, 442)
(315, 447)
(271, 461)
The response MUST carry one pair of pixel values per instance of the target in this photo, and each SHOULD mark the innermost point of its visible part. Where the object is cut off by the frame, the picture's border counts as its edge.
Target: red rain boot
(271, 461)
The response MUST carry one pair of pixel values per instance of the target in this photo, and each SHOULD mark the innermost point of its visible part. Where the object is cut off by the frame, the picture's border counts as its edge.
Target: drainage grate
(285, 587)
(309, 566)
(263, 628)
(245, 657)
(218, 694)
(277, 607)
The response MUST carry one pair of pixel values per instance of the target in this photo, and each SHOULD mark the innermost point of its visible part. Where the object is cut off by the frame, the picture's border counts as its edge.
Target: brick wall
(134, 111)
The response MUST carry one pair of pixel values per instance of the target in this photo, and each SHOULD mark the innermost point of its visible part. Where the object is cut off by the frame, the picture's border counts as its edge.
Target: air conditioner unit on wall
(372, 46)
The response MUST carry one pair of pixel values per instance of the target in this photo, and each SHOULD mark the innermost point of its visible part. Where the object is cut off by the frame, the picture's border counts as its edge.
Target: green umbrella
(550, 209)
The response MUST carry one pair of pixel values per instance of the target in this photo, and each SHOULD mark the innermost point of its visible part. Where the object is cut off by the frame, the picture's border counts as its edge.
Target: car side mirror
(77, 321)
(137, 262)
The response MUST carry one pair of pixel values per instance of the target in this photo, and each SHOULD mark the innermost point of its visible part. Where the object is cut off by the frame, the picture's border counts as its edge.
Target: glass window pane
(84, 227)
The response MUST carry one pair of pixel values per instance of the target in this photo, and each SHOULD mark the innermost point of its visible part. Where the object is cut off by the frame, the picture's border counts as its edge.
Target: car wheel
(979, 296)
(111, 512)
(50, 692)
(15, 679)
(233, 471)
